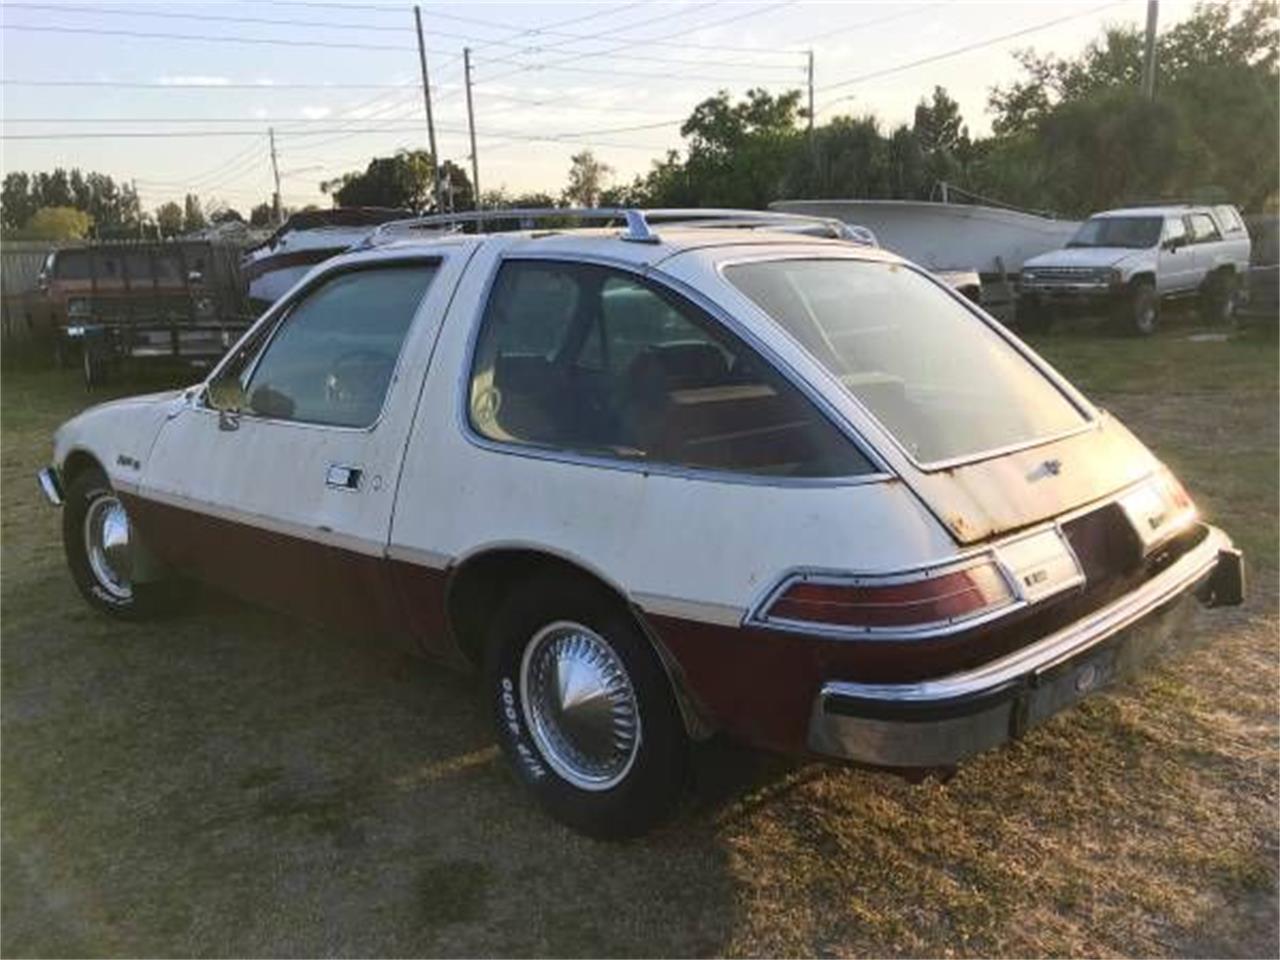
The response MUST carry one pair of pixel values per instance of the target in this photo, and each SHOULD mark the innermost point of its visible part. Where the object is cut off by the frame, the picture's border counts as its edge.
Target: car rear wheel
(1218, 298)
(583, 708)
(100, 548)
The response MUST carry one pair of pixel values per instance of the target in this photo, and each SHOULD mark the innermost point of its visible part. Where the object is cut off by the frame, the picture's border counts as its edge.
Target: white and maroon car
(722, 477)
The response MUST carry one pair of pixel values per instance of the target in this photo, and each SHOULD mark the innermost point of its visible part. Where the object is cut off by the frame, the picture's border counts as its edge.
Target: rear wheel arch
(477, 587)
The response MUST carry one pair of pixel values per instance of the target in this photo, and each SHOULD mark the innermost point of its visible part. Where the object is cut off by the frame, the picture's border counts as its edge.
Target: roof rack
(636, 223)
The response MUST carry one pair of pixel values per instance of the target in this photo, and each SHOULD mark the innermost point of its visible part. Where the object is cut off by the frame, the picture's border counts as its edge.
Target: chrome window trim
(880, 473)
(1087, 410)
(968, 557)
(279, 312)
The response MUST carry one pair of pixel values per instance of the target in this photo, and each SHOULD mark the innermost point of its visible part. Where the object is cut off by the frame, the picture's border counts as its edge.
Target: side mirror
(225, 395)
(1173, 243)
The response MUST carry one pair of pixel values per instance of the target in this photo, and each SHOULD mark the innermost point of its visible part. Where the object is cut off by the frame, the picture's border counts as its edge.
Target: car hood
(1081, 257)
(117, 434)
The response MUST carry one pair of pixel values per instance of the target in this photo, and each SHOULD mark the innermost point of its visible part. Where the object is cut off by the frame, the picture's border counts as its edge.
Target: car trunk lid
(994, 495)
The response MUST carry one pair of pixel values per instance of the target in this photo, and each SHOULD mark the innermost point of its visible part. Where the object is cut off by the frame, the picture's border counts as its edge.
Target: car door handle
(343, 477)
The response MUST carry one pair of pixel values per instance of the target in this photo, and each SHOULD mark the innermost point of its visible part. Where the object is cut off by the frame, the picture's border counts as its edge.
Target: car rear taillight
(1159, 509)
(894, 603)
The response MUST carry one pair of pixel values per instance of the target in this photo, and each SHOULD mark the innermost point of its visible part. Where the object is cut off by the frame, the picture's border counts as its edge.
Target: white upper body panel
(680, 541)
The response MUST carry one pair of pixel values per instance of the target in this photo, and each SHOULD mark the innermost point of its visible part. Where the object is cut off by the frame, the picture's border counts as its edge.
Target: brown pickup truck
(139, 300)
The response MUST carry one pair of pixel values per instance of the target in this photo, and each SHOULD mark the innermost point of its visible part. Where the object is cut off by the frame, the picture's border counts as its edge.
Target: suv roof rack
(637, 223)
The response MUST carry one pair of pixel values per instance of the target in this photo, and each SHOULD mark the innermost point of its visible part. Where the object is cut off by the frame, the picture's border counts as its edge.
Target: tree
(456, 187)
(58, 223)
(1074, 132)
(192, 214)
(738, 153)
(260, 216)
(587, 178)
(226, 215)
(850, 158)
(943, 138)
(169, 219)
(402, 180)
(17, 203)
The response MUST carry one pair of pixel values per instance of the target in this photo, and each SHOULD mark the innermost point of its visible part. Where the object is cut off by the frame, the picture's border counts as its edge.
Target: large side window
(1175, 230)
(331, 358)
(577, 357)
(1203, 229)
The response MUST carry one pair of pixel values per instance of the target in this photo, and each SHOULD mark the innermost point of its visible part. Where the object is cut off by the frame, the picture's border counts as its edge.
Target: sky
(340, 82)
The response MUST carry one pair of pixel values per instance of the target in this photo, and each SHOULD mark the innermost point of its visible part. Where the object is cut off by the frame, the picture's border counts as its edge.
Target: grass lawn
(230, 782)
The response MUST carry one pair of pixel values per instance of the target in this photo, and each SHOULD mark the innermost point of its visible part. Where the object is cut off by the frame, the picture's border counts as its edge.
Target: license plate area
(1058, 687)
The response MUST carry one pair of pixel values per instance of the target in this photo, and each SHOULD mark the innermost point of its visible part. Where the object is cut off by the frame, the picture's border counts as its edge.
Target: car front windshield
(941, 381)
(1135, 232)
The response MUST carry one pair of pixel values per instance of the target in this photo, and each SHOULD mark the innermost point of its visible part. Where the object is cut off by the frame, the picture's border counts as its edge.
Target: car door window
(1175, 232)
(331, 358)
(1202, 228)
(626, 368)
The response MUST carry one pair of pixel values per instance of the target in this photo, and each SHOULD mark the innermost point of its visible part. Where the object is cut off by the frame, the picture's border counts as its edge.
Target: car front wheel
(1139, 310)
(99, 543)
(584, 710)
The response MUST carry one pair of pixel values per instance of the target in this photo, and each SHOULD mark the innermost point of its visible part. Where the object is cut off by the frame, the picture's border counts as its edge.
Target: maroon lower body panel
(324, 584)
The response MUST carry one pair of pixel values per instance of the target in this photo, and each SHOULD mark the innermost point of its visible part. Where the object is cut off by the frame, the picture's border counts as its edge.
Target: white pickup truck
(1128, 261)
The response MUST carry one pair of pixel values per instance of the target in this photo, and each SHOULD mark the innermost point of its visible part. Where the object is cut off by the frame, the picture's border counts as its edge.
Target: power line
(197, 38)
(155, 85)
(569, 137)
(549, 31)
(559, 64)
(866, 24)
(319, 24)
(212, 18)
(967, 48)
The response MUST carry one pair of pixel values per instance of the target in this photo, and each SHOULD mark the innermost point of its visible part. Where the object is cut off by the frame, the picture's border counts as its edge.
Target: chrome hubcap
(106, 544)
(580, 706)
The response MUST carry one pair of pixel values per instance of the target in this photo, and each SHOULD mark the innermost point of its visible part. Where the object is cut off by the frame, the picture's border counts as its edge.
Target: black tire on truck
(1137, 310)
(1218, 297)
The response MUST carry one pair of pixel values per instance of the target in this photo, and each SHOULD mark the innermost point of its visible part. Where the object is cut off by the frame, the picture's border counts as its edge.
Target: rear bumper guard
(936, 723)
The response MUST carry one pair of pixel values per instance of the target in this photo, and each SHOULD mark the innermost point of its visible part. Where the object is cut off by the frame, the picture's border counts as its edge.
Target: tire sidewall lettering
(530, 762)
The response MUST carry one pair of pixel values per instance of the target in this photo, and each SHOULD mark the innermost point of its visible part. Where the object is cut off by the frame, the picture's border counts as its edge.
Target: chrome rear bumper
(939, 722)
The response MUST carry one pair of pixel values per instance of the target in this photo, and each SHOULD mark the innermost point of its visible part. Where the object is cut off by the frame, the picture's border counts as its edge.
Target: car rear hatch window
(944, 384)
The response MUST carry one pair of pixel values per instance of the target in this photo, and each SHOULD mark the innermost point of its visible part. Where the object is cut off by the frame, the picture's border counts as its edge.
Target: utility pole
(810, 94)
(275, 173)
(471, 124)
(813, 142)
(1149, 60)
(426, 97)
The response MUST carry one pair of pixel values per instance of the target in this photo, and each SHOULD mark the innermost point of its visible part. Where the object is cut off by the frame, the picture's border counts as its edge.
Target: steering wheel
(358, 375)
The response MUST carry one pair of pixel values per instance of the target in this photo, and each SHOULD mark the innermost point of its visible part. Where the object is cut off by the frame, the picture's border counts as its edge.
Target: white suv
(1127, 261)
(657, 485)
